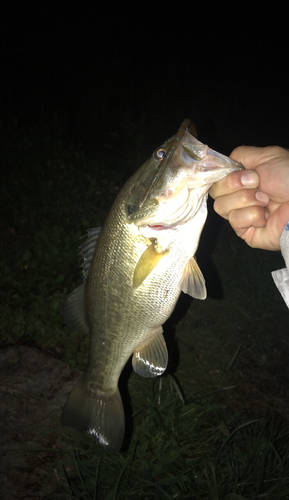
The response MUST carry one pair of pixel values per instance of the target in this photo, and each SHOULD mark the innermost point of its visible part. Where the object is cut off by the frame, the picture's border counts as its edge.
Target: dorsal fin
(87, 249)
(72, 308)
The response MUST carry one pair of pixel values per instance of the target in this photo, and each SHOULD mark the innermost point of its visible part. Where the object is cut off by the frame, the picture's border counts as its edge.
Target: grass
(197, 446)
(192, 449)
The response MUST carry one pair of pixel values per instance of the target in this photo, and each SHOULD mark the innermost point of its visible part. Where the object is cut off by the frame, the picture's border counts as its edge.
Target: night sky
(85, 66)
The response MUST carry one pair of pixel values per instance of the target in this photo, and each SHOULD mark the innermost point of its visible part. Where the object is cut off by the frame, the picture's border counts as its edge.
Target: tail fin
(100, 414)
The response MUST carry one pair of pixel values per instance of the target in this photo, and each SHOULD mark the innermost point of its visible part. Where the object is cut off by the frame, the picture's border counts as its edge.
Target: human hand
(256, 202)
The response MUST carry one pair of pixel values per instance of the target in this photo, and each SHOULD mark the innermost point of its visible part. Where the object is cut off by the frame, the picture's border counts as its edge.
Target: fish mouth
(187, 161)
(205, 165)
(185, 126)
(218, 161)
(134, 214)
(139, 210)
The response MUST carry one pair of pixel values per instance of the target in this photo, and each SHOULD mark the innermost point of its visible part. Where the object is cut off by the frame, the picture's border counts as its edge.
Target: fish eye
(160, 154)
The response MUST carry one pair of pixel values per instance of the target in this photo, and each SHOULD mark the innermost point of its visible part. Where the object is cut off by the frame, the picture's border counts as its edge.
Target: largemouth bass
(135, 272)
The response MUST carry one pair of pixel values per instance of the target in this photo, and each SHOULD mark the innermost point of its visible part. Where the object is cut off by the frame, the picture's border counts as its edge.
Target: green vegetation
(194, 450)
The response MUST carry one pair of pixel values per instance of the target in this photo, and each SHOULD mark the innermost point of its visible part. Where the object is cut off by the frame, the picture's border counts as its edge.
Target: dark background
(113, 81)
(87, 91)
(84, 66)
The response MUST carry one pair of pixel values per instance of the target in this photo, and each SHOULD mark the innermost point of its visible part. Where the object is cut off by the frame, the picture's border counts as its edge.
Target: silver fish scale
(120, 317)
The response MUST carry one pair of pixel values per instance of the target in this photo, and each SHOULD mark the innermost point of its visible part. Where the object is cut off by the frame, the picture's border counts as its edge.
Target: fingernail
(262, 197)
(250, 179)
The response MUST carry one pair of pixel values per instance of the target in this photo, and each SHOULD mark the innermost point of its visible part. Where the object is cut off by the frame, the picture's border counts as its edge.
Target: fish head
(174, 181)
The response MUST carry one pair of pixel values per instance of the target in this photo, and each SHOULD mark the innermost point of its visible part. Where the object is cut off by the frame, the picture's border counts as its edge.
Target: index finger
(249, 156)
(234, 182)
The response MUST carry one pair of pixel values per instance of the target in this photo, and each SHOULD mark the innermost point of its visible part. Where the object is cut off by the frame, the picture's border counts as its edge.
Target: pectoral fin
(147, 262)
(193, 281)
(152, 358)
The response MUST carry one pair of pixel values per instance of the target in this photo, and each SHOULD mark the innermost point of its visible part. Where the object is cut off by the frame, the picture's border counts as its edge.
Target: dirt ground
(33, 388)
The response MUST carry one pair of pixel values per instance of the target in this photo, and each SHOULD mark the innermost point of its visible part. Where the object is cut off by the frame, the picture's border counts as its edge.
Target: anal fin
(151, 359)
